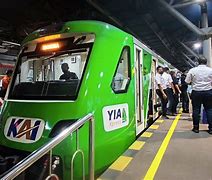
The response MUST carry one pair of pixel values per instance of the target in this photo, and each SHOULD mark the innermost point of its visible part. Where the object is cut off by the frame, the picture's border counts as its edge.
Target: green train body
(120, 111)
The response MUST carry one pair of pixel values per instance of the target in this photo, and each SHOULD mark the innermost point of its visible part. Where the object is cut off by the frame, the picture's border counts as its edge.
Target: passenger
(118, 81)
(5, 82)
(170, 90)
(176, 94)
(185, 99)
(161, 90)
(201, 79)
(67, 75)
(189, 91)
(150, 109)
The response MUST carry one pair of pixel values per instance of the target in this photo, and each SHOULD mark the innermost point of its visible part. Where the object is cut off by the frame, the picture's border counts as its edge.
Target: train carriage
(63, 73)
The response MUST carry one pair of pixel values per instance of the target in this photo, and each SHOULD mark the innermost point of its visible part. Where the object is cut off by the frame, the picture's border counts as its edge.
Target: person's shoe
(165, 117)
(156, 107)
(169, 114)
(196, 130)
(210, 131)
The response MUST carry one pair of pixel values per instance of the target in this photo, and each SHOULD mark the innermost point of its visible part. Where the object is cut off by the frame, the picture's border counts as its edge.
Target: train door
(138, 90)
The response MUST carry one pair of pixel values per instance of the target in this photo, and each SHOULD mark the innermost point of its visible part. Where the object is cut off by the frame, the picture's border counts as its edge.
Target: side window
(121, 78)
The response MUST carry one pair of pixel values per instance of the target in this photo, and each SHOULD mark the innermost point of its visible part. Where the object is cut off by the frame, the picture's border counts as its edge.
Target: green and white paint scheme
(121, 113)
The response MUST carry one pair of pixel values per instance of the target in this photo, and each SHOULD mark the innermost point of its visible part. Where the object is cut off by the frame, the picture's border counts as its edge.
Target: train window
(121, 78)
(56, 75)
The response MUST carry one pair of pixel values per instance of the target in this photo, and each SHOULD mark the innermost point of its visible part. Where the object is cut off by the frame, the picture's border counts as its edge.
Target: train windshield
(51, 71)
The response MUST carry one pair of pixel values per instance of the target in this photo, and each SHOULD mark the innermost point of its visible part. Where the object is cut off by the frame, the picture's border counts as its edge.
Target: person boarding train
(161, 90)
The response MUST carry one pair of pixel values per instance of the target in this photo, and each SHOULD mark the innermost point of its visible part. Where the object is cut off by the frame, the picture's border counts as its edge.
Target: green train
(65, 71)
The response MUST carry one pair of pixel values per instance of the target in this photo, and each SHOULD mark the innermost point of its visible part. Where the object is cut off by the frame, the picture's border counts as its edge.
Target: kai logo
(115, 117)
(25, 130)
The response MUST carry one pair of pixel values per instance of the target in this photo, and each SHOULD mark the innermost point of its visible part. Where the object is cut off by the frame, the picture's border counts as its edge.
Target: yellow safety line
(137, 145)
(121, 163)
(159, 121)
(146, 134)
(154, 127)
(157, 160)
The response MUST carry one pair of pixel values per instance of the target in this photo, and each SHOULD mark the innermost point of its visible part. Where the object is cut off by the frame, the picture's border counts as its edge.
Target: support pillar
(207, 49)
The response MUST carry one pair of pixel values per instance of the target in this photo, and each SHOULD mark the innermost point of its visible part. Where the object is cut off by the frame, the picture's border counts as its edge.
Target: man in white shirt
(200, 78)
(169, 90)
(161, 90)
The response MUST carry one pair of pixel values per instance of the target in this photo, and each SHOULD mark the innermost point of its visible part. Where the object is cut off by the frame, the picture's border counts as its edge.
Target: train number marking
(25, 130)
(115, 117)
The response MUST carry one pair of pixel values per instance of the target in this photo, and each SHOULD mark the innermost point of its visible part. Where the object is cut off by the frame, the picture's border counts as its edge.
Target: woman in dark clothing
(177, 92)
(185, 99)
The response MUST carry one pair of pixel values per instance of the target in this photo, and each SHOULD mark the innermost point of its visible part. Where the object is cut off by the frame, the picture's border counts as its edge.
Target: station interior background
(147, 20)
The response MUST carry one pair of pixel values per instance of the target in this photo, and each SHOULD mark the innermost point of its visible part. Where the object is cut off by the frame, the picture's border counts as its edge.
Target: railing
(36, 155)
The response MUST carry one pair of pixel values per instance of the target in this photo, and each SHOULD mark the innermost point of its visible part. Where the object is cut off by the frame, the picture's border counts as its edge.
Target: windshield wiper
(79, 40)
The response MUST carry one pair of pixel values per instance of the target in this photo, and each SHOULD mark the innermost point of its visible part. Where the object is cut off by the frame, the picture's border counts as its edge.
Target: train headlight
(60, 126)
(50, 46)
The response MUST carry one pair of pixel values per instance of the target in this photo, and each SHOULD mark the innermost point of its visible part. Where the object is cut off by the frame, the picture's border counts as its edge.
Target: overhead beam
(189, 50)
(154, 27)
(207, 49)
(190, 61)
(107, 14)
(181, 5)
(184, 20)
(10, 43)
(152, 40)
(7, 58)
(95, 5)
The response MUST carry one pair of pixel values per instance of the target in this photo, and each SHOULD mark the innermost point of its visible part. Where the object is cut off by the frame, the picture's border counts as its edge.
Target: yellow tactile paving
(137, 145)
(146, 134)
(154, 127)
(121, 163)
(159, 121)
(159, 156)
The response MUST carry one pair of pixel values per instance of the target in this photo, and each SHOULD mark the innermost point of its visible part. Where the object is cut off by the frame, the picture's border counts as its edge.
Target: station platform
(167, 150)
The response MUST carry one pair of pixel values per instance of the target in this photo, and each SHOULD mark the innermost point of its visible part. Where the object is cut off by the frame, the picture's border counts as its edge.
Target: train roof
(85, 26)
(91, 26)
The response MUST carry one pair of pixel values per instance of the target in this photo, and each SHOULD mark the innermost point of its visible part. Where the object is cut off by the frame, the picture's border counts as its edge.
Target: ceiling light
(197, 45)
(200, 0)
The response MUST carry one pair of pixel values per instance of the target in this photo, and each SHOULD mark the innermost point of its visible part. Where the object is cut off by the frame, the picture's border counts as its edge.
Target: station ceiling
(148, 20)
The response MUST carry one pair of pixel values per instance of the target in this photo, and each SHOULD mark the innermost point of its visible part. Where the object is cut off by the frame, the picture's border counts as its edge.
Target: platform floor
(168, 150)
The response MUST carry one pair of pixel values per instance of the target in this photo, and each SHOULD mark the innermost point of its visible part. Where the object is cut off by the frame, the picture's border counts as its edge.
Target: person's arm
(5, 83)
(74, 76)
(162, 91)
(178, 89)
(176, 85)
(158, 82)
(188, 78)
(172, 85)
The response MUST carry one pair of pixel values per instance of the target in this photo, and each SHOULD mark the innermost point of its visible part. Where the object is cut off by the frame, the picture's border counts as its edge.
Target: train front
(42, 100)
